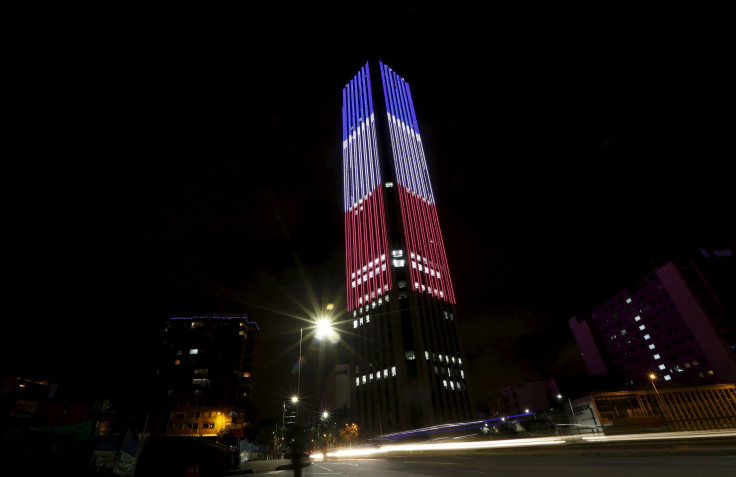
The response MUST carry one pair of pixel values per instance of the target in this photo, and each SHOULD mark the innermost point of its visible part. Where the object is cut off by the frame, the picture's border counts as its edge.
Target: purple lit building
(676, 323)
(408, 364)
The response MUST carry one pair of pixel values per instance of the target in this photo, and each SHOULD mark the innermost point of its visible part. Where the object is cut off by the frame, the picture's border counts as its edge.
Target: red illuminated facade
(408, 363)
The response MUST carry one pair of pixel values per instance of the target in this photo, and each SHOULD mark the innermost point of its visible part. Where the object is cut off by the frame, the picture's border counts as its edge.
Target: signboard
(24, 408)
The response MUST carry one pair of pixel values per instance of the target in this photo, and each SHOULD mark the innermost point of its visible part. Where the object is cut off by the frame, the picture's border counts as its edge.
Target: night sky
(163, 167)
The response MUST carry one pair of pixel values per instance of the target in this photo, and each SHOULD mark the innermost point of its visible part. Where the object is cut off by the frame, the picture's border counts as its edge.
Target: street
(521, 465)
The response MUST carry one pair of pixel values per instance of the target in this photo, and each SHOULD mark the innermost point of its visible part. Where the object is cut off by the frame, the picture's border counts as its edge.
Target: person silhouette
(298, 447)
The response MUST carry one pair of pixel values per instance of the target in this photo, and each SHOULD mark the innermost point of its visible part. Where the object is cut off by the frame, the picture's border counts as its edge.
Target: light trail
(524, 442)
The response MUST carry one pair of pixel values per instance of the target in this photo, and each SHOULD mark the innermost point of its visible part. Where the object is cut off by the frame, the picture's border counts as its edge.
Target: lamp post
(572, 411)
(299, 374)
(665, 411)
(322, 330)
(323, 419)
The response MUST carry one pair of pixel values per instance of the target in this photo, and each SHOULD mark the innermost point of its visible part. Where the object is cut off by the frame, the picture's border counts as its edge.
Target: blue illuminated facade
(408, 362)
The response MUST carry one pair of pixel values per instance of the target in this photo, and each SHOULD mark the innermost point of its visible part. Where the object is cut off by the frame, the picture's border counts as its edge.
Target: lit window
(393, 370)
(193, 351)
(637, 318)
(661, 366)
(667, 378)
(364, 379)
(357, 381)
(651, 346)
(177, 362)
(399, 263)
(628, 300)
(646, 337)
(656, 356)
(426, 355)
(355, 323)
(385, 373)
(444, 382)
(642, 327)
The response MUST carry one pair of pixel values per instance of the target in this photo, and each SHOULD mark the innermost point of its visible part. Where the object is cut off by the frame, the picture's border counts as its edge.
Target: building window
(193, 351)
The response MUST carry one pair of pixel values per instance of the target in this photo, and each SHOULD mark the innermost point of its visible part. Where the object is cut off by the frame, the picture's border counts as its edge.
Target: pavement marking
(323, 468)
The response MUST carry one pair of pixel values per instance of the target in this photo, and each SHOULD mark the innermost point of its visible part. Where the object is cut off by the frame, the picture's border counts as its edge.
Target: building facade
(205, 374)
(675, 323)
(407, 361)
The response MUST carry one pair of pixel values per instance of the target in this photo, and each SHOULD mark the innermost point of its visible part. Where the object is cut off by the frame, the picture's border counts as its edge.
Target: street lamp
(299, 373)
(294, 401)
(325, 416)
(572, 411)
(665, 411)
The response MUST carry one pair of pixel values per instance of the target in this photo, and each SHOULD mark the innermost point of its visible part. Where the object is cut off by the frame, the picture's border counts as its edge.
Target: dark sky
(159, 167)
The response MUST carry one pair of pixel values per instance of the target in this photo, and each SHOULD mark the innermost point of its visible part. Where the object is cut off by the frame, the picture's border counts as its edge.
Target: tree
(349, 432)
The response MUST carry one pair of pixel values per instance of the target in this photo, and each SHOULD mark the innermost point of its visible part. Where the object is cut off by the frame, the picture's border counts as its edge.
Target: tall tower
(408, 362)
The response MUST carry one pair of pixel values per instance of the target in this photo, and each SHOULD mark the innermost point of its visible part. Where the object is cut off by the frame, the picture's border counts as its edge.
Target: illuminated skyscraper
(408, 362)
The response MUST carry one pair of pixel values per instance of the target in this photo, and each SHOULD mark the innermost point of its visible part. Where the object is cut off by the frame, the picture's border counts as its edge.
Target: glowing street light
(665, 411)
(325, 416)
(325, 331)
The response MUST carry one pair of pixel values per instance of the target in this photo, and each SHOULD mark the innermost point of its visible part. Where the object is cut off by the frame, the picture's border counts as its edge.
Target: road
(522, 465)
(671, 455)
